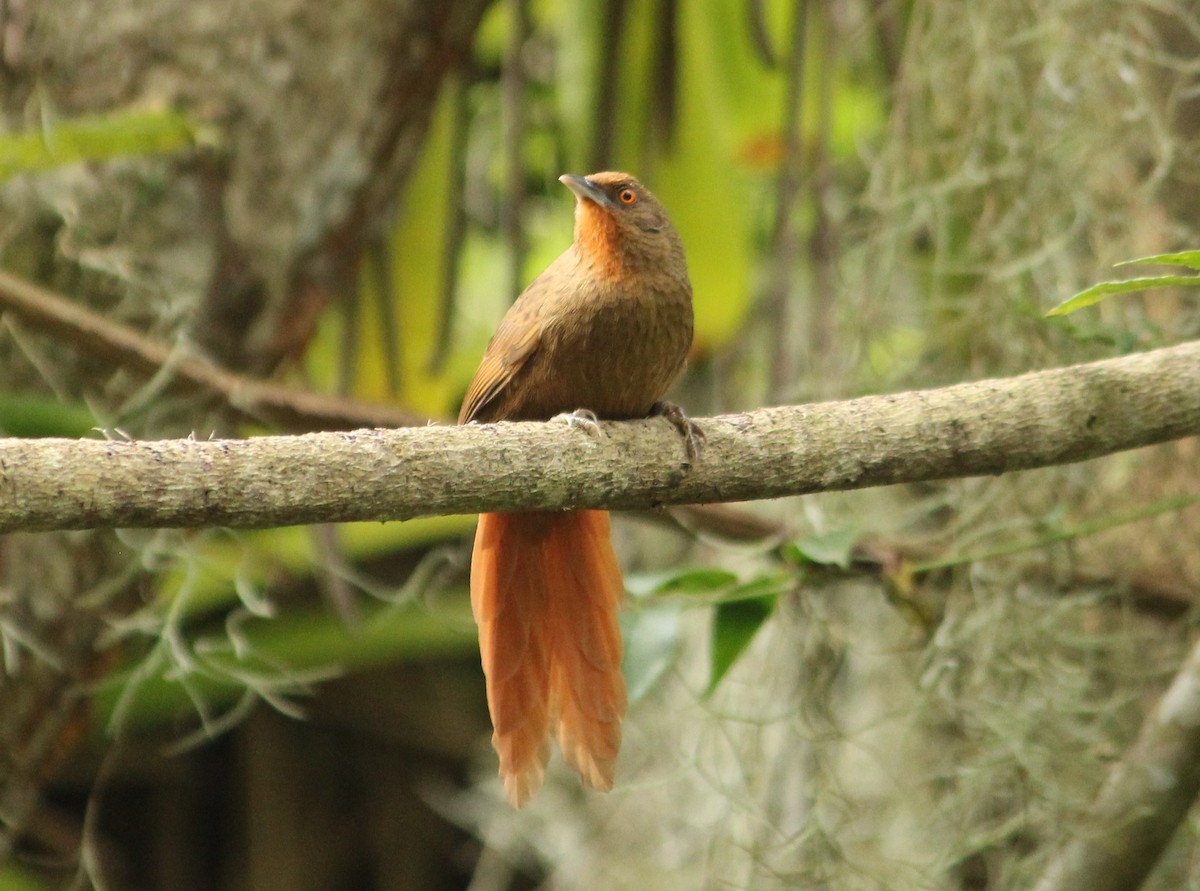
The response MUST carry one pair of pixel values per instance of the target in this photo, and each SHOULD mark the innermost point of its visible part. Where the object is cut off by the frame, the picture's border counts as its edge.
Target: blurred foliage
(126, 132)
(250, 659)
(909, 688)
(710, 156)
(42, 416)
(13, 879)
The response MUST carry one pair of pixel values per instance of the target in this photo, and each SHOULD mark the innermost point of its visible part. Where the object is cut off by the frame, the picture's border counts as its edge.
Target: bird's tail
(545, 588)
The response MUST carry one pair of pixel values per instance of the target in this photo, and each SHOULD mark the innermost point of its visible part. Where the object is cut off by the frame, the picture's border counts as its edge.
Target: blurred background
(914, 687)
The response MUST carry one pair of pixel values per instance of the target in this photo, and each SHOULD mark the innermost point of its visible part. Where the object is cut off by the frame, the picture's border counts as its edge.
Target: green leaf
(1190, 259)
(32, 416)
(734, 625)
(1096, 293)
(771, 584)
(651, 641)
(829, 549)
(690, 581)
(97, 138)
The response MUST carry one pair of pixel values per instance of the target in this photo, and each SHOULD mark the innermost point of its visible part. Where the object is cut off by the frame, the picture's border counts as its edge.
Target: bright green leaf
(1190, 259)
(829, 549)
(97, 138)
(695, 581)
(651, 640)
(734, 625)
(675, 581)
(1096, 293)
(772, 584)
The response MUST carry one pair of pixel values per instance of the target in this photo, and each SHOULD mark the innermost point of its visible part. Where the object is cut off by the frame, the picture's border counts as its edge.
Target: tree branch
(1146, 796)
(989, 427)
(251, 398)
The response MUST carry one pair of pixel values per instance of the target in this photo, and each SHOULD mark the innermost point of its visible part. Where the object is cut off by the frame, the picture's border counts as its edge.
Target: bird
(601, 334)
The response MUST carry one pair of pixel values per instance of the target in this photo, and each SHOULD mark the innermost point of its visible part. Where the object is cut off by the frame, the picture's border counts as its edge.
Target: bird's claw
(692, 435)
(584, 419)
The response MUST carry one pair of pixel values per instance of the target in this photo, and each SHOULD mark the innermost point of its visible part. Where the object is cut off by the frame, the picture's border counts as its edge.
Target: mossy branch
(988, 427)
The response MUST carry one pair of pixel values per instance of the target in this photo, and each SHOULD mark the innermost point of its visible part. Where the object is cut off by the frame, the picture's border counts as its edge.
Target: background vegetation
(919, 687)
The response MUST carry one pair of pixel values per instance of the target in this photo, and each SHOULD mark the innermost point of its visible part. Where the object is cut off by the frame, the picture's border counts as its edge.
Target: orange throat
(597, 237)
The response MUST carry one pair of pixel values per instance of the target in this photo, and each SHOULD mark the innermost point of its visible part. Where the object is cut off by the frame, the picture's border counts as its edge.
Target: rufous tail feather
(545, 590)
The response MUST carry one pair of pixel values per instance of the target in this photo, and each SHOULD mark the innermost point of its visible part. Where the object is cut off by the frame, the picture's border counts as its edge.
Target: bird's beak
(585, 189)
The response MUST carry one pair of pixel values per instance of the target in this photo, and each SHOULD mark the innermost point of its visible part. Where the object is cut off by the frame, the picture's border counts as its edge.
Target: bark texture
(988, 427)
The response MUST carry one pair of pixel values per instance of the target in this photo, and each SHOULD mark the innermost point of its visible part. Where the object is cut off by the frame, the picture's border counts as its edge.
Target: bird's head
(619, 226)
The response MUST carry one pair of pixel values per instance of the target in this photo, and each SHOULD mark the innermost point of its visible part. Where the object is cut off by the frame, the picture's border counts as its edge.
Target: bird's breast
(614, 351)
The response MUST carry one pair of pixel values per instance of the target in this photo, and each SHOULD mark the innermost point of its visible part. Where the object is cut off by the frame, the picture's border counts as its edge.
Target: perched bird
(602, 332)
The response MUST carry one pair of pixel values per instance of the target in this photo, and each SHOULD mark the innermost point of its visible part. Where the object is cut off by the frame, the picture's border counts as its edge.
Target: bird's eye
(627, 196)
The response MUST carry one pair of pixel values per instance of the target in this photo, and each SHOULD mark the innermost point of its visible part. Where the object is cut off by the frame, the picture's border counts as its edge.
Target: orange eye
(627, 196)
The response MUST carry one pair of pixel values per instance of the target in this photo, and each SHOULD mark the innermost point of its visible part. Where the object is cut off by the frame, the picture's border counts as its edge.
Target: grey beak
(584, 188)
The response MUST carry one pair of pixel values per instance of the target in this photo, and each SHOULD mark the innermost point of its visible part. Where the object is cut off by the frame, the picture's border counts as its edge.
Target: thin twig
(258, 400)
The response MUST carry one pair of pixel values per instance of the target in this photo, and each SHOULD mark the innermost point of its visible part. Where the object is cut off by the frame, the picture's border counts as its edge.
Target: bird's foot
(584, 419)
(692, 435)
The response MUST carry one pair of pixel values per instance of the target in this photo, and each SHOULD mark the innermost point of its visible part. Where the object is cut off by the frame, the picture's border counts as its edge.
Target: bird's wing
(514, 342)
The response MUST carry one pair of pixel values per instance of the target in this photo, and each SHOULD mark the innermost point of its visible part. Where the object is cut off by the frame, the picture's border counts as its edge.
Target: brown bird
(603, 331)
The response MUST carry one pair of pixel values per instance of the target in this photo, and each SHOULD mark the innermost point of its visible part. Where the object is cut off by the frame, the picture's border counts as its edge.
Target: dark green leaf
(43, 416)
(734, 625)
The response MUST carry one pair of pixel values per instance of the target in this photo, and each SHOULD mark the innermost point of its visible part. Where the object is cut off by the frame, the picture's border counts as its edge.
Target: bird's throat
(598, 239)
